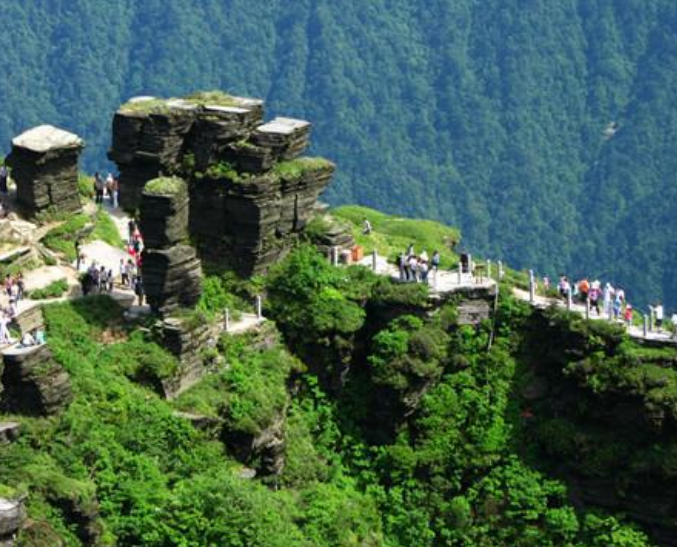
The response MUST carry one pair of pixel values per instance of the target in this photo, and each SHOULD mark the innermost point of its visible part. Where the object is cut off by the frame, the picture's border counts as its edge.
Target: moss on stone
(289, 170)
(214, 97)
(165, 186)
(148, 106)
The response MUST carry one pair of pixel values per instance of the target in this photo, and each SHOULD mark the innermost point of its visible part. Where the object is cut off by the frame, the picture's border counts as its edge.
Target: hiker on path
(99, 186)
(139, 290)
(658, 311)
(4, 177)
(608, 295)
(583, 290)
(366, 227)
(564, 287)
(131, 228)
(628, 315)
(115, 191)
(20, 286)
(595, 294)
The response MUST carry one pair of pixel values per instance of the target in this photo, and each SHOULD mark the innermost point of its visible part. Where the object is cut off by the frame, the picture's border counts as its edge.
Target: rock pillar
(44, 163)
(172, 274)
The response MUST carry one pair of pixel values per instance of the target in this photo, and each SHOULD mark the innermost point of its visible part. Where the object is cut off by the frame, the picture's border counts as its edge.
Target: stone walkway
(441, 282)
(635, 332)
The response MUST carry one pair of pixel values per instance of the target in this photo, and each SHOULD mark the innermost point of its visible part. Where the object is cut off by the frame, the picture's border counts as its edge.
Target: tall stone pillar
(172, 274)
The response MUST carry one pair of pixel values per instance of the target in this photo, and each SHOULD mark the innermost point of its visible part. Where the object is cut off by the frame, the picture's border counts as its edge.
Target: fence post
(532, 287)
(226, 320)
(334, 256)
(471, 266)
(373, 260)
(652, 318)
(489, 269)
(570, 302)
(501, 273)
(259, 309)
(646, 325)
(587, 308)
(460, 272)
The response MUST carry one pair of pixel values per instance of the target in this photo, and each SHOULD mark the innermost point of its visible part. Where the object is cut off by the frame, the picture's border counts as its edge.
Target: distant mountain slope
(487, 115)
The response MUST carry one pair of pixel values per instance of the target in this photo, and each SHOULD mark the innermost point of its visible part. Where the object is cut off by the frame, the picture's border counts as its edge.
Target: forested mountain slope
(489, 115)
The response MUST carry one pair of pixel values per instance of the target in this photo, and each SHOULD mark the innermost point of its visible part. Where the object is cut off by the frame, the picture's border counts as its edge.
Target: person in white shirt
(658, 311)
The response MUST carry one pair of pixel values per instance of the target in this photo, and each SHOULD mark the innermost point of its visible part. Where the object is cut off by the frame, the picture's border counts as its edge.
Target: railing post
(460, 272)
(489, 269)
(226, 320)
(373, 260)
(532, 287)
(587, 308)
(334, 256)
(259, 309)
(646, 325)
(501, 273)
(471, 267)
(651, 319)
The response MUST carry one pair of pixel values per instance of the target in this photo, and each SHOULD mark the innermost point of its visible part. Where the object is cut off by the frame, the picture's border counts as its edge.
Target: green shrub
(54, 290)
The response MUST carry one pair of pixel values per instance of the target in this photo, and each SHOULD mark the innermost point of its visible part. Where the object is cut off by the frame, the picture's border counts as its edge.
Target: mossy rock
(165, 186)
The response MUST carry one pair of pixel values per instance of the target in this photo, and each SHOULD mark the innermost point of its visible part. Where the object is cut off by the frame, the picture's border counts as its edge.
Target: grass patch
(392, 235)
(61, 239)
(214, 97)
(293, 169)
(165, 186)
(151, 106)
(105, 229)
(54, 290)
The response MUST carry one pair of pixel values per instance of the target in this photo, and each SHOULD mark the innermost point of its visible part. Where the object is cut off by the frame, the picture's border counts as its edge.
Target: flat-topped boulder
(47, 138)
(286, 137)
(44, 163)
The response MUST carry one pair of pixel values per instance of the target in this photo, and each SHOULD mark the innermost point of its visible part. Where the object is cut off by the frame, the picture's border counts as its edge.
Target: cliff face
(250, 194)
(602, 417)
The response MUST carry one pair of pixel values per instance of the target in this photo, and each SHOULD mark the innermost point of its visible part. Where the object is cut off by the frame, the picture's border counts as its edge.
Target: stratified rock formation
(44, 163)
(33, 382)
(171, 270)
(250, 195)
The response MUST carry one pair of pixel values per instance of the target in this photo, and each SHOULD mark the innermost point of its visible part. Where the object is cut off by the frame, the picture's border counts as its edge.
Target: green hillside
(490, 115)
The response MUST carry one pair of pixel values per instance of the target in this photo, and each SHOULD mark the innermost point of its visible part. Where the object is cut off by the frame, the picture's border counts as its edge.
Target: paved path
(633, 331)
(442, 282)
(247, 322)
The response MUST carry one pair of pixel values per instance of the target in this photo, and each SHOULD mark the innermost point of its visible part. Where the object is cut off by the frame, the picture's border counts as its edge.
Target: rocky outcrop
(9, 432)
(250, 197)
(12, 517)
(192, 343)
(171, 270)
(44, 163)
(34, 384)
(266, 449)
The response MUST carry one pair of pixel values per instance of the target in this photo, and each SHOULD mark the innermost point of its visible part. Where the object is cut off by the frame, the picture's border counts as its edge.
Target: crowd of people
(416, 268)
(108, 187)
(605, 301)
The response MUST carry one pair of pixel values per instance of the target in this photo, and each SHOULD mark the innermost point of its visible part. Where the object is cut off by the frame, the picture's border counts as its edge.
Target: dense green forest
(488, 115)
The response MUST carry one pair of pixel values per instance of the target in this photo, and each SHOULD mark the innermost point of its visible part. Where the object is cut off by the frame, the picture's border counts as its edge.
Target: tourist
(103, 279)
(608, 295)
(99, 186)
(124, 274)
(594, 294)
(366, 227)
(109, 286)
(423, 270)
(628, 315)
(8, 285)
(139, 290)
(12, 310)
(413, 268)
(564, 287)
(86, 283)
(435, 261)
(546, 283)
(4, 177)
(658, 312)
(618, 304)
(583, 290)
(27, 340)
(20, 286)
(115, 191)
(5, 336)
(109, 186)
